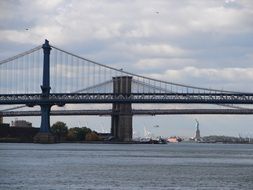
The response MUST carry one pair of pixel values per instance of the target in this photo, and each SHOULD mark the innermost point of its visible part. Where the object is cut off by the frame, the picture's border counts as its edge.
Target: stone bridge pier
(121, 121)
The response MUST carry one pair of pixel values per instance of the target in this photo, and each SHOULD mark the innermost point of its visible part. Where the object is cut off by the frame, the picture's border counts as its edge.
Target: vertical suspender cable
(27, 68)
(36, 76)
(12, 77)
(110, 78)
(148, 85)
(127, 90)
(83, 74)
(1, 78)
(94, 72)
(8, 76)
(72, 75)
(105, 89)
(17, 75)
(154, 86)
(160, 87)
(88, 74)
(99, 76)
(138, 85)
(33, 73)
(40, 70)
(52, 71)
(60, 71)
(143, 85)
(121, 81)
(56, 71)
(66, 81)
(77, 71)
(21, 68)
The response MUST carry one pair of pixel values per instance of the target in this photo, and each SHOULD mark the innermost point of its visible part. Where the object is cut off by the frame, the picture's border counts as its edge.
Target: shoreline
(17, 140)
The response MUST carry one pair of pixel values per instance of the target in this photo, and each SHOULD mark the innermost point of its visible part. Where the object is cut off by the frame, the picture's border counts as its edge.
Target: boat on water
(158, 140)
(174, 139)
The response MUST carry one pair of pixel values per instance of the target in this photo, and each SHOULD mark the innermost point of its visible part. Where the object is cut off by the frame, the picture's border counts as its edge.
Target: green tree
(59, 130)
(78, 134)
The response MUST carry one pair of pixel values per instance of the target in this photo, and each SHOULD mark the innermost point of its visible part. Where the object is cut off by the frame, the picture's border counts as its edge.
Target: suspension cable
(148, 78)
(20, 55)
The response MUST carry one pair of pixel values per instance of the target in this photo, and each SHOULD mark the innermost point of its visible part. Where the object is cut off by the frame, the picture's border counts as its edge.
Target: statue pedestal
(44, 138)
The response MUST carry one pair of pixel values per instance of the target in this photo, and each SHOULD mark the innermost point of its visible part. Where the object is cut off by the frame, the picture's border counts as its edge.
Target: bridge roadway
(78, 98)
(108, 112)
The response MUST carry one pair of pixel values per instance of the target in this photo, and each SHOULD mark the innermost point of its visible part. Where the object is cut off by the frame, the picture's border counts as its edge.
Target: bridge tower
(121, 121)
(44, 135)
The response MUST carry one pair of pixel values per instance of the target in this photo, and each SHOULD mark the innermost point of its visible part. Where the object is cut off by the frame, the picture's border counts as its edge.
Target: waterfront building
(2, 124)
(21, 123)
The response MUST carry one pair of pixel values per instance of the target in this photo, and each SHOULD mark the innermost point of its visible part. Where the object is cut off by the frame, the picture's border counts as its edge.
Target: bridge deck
(109, 112)
(74, 98)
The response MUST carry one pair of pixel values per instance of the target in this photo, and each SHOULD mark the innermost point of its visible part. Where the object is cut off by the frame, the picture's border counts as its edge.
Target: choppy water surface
(117, 166)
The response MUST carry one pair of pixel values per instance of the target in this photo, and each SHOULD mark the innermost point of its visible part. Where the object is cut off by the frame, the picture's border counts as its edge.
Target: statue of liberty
(197, 136)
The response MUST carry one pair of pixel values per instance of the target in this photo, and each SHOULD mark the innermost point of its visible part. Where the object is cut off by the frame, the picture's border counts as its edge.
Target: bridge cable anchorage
(120, 71)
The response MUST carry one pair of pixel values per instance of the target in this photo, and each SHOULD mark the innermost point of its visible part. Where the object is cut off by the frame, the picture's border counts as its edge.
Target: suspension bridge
(48, 76)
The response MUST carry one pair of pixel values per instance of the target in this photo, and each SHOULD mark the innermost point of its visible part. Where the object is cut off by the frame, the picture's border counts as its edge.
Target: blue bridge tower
(44, 135)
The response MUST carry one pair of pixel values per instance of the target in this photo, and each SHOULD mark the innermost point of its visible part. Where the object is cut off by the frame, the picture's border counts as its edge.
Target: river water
(125, 166)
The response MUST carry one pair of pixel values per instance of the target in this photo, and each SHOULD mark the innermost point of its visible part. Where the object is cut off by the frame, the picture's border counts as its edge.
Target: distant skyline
(201, 43)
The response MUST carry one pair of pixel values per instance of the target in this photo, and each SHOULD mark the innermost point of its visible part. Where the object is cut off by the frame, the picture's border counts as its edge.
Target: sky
(202, 43)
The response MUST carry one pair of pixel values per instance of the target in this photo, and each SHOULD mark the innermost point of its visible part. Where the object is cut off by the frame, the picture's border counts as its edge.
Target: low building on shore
(21, 123)
(2, 124)
(18, 131)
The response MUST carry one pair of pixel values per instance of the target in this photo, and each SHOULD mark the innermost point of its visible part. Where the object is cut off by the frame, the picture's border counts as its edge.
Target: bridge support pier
(121, 122)
(44, 135)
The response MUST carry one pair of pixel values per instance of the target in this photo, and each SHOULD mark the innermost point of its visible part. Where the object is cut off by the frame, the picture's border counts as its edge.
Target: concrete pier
(121, 123)
(44, 138)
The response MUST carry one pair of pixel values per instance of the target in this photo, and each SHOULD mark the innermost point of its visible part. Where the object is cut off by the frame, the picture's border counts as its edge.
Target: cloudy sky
(203, 43)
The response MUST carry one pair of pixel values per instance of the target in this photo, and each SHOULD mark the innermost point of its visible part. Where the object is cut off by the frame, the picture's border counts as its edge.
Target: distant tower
(197, 136)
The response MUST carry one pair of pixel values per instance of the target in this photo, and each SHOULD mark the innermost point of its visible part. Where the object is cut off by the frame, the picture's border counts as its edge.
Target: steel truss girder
(109, 112)
(78, 98)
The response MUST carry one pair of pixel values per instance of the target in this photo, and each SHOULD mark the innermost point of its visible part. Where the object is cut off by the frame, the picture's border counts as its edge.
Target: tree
(59, 130)
(78, 134)
(93, 136)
